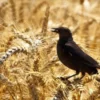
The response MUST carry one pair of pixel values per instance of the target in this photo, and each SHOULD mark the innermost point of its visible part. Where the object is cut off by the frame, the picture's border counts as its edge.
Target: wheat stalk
(45, 21)
(9, 52)
(13, 10)
(3, 13)
(21, 12)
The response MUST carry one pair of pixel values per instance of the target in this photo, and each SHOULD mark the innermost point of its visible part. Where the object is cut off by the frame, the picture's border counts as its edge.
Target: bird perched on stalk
(70, 54)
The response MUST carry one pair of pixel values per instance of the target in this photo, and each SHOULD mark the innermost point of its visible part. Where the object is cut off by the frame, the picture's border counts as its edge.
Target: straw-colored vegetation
(29, 67)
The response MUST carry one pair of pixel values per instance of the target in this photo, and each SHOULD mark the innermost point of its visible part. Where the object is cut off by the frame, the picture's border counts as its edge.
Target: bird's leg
(83, 74)
(65, 78)
(78, 79)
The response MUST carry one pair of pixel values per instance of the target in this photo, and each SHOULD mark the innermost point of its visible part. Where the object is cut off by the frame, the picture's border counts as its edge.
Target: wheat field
(29, 66)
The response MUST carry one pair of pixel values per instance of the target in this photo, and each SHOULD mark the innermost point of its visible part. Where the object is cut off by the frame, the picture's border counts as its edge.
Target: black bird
(70, 54)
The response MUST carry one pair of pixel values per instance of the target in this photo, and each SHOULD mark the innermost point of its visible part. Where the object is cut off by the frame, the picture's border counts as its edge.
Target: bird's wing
(76, 52)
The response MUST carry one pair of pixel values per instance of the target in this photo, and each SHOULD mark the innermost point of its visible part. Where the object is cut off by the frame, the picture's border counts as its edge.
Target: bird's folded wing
(77, 53)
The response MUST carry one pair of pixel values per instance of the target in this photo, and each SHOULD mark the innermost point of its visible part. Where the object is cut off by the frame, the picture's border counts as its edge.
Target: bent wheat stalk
(9, 52)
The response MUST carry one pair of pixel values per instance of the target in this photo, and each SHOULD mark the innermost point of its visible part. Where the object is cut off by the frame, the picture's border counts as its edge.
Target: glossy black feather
(71, 55)
(73, 48)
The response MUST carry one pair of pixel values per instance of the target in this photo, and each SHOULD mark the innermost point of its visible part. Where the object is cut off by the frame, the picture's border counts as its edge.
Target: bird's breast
(64, 56)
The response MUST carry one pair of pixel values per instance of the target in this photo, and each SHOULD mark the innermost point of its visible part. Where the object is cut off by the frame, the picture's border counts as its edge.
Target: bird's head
(63, 32)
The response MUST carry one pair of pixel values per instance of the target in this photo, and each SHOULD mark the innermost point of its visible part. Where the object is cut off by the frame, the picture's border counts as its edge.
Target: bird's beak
(54, 30)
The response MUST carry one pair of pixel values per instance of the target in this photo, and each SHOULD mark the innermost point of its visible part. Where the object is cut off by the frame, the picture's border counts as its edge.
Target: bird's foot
(76, 81)
(71, 80)
(63, 78)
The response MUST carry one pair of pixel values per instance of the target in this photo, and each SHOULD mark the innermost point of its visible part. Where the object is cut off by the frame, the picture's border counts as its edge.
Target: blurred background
(32, 72)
